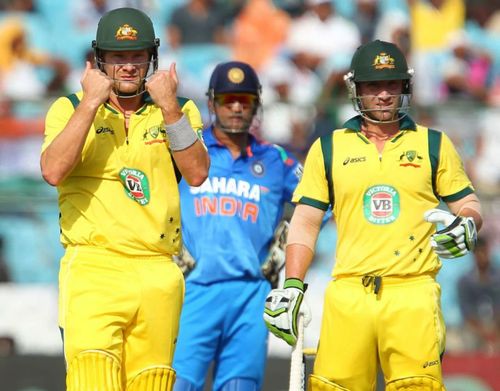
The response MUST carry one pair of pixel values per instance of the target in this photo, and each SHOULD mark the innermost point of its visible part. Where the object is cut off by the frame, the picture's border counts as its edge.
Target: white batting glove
(283, 307)
(457, 238)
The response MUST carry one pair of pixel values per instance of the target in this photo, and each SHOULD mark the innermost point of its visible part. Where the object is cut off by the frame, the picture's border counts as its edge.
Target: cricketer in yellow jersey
(115, 151)
(384, 176)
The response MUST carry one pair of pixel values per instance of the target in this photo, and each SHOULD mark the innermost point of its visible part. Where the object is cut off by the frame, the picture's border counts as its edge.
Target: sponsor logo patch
(348, 160)
(136, 185)
(102, 130)
(381, 204)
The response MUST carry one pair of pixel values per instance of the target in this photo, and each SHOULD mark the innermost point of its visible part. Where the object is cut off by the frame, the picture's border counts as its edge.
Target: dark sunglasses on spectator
(243, 99)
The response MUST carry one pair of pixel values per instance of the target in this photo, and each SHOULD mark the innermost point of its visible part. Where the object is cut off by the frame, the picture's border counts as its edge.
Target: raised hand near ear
(96, 85)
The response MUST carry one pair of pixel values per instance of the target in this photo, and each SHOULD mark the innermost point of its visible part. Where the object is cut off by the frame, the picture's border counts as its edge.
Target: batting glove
(457, 238)
(283, 307)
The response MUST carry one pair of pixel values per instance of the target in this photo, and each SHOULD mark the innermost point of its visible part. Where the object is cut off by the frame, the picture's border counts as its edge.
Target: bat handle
(297, 362)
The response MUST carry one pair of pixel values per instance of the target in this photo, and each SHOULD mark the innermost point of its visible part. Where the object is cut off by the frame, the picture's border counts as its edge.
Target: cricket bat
(298, 360)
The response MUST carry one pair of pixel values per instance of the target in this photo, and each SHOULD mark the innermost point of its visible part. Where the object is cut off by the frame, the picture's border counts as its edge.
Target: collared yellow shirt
(123, 194)
(380, 199)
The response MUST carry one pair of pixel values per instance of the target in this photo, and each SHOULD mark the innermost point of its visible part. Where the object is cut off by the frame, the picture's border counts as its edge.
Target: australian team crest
(410, 159)
(136, 185)
(383, 61)
(126, 33)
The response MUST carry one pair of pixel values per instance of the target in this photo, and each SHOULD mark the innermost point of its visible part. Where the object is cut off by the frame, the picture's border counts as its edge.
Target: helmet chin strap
(396, 117)
(221, 126)
(399, 112)
(116, 82)
(140, 90)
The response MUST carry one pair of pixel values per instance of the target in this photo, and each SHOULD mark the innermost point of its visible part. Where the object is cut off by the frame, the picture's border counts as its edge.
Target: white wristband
(180, 134)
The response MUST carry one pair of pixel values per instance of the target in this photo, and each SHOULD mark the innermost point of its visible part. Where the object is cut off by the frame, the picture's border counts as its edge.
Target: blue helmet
(233, 77)
(230, 78)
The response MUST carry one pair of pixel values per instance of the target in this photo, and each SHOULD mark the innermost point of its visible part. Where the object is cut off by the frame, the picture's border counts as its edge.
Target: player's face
(234, 112)
(381, 99)
(127, 68)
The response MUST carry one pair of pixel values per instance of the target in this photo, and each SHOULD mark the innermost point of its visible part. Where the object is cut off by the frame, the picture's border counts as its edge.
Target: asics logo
(354, 160)
(102, 130)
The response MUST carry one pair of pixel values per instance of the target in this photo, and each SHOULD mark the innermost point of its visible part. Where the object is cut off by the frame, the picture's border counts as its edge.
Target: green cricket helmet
(378, 61)
(126, 29)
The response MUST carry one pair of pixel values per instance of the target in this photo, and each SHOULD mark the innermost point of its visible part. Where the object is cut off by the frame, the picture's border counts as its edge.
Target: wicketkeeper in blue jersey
(231, 228)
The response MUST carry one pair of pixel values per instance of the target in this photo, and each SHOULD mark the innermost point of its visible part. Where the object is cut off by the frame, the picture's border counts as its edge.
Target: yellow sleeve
(313, 187)
(191, 110)
(56, 119)
(452, 182)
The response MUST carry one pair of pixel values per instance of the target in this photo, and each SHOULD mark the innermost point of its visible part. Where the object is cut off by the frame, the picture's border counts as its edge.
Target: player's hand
(457, 238)
(185, 261)
(283, 307)
(162, 86)
(96, 85)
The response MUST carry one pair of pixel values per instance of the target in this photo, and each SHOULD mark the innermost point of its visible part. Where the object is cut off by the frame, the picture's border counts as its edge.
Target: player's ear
(211, 105)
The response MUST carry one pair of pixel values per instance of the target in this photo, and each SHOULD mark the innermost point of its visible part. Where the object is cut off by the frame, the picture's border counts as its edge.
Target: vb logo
(381, 204)
(136, 185)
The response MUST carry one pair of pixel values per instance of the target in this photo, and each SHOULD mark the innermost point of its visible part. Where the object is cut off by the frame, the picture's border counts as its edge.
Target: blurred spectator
(366, 18)
(289, 96)
(479, 299)
(7, 346)
(323, 37)
(323, 41)
(4, 270)
(259, 31)
(19, 65)
(74, 77)
(394, 26)
(482, 28)
(19, 5)
(431, 24)
(197, 21)
(485, 170)
(85, 14)
(468, 73)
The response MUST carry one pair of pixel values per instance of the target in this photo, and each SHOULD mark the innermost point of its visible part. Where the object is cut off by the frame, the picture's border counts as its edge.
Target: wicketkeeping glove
(185, 261)
(457, 238)
(283, 307)
(275, 260)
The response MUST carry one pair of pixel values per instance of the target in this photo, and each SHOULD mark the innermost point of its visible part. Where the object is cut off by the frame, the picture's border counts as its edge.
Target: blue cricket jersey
(228, 222)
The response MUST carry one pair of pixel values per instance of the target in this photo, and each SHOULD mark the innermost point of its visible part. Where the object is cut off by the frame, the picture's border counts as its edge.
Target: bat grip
(297, 361)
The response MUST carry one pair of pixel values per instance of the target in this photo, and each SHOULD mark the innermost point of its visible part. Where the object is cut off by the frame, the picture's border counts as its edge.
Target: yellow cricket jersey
(380, 199)
(123, 194)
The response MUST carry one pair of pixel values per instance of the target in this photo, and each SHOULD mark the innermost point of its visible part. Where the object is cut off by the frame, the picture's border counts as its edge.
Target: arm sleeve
(452, 182)
(56, 119)
(312, 189)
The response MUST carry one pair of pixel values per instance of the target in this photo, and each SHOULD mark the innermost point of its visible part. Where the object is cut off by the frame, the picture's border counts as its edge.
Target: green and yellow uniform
(382, 248)
(123, 195)
(120, 225)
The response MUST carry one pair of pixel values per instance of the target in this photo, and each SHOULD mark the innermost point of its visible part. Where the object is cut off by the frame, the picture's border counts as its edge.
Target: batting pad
(94, 370)
(417, 383)
(158, 378)
(319, 383)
